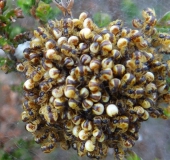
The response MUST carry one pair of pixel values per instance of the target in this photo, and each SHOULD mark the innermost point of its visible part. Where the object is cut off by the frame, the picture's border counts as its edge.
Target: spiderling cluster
(90, 88)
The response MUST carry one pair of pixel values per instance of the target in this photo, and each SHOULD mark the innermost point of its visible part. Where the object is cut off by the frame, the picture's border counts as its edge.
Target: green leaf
(43, 11)
(2, 61)
(132, 156)
(3, 41)
(129, 8)
(7, 65)
(163, 29)
(101, 19)
(10, 14)
(15, 30)
(4, 19)
(4, 9)
(167, 111)
(26, 5)
(47, 1)
(164, 22)
(168, 80)
(17, 88)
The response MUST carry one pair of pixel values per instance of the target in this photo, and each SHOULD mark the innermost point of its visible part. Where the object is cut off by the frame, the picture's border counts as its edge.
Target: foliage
(6, 64)
(163, 23)
(101, 19)
(17, 88)
(8, 33)
(47, 1)
(129, 5)
(20, 151)
(45, 12)
(132, 156)
(7, 17)
(26, 5)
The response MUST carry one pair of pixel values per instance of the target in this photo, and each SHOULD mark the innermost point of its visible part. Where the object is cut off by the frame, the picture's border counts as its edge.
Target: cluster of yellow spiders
(90, 88)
